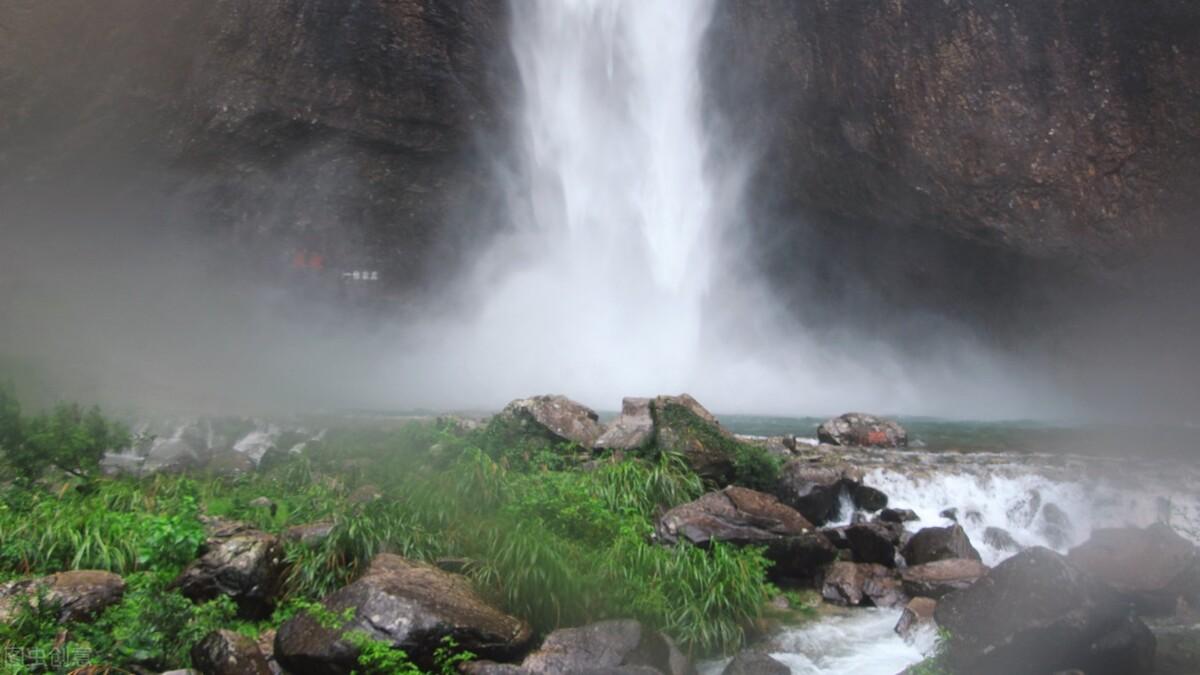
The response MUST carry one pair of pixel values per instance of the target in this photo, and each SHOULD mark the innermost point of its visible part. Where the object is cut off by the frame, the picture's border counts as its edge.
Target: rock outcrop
(1052, 131)
(409, 605)
(342, 127)
(1036, 612)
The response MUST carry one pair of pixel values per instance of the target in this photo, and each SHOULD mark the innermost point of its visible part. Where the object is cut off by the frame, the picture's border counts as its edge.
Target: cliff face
(1036, 133)
(1052, 129)
(342, 126)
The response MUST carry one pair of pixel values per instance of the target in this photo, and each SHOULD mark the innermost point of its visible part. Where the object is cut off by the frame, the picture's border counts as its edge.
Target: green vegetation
(546, 538)
(67, 438)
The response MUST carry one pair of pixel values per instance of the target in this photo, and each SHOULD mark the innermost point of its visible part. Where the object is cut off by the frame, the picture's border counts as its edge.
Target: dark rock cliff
(348, 127)
(935, 149)
(1028, 168)
(1057, 129)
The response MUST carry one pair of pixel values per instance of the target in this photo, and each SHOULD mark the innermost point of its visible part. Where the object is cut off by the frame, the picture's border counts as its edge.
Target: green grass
(548, 540)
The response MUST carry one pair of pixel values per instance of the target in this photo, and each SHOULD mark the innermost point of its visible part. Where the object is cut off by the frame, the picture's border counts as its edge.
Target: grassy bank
(546, 532)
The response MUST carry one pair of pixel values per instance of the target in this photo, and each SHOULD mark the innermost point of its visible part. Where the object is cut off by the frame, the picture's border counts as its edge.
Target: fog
(622, 265)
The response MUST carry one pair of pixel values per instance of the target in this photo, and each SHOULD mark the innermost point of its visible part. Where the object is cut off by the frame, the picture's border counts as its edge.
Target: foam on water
(1015, 499)
(860, 643)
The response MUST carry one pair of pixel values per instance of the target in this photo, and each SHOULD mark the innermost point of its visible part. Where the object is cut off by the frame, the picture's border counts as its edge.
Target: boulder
(918, 613)
(1153, 567)
(246, 565)
(1056, 526)
(873, 543)
(799, 560)
(409, 605)
(557, 417)
(274, 458)
(1177, 647)
(1026, 509)
(814, 489)
(999, 539)
(897, 516)
(750, 662)
(862, 430)
(632, 430)
(229, 463)
(80, 594)
(682, 425)
(868, 584)
(365, 494)
(939, 543)
(742, 516)
(1038, 613)
(224, 652)
(734, 514)
(935, 579)
(607, 647)
(867, 498)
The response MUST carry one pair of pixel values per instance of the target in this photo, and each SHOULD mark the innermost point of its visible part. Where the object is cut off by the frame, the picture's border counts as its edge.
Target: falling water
(614, 217)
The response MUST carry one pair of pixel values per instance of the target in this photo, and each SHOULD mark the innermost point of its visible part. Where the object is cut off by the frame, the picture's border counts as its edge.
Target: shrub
(152, 626)
(118, 528)
(68, 438)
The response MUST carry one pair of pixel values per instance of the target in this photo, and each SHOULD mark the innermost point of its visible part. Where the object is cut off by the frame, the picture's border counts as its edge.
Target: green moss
(719, 457)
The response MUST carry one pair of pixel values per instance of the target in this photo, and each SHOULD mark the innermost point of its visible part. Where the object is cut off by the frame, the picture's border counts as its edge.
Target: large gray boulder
(863, 430)
(409, 605)
(741, 516)
(939, 543)
(556, 417)
(244, 564)
(1038, 613)
(632, 430)
(80, 595)
(1153, 567)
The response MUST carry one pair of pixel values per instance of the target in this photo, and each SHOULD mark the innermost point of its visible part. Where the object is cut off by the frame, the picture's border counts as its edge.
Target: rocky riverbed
(1070, 560)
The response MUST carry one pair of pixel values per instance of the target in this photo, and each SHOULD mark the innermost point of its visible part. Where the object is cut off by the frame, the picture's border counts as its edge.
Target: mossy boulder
(684, 426)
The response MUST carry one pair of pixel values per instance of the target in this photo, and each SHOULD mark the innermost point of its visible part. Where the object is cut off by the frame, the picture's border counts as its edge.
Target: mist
(623, 260)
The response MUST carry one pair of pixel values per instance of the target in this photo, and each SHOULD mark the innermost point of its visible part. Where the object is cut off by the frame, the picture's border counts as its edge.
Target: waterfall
(601, 284)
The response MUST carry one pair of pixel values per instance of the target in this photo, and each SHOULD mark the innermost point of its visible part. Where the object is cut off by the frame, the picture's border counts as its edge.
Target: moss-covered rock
(684, 426)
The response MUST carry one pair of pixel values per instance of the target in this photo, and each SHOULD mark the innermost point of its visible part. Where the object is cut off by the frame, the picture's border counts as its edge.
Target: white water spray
(618, 273)
(614, 217)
